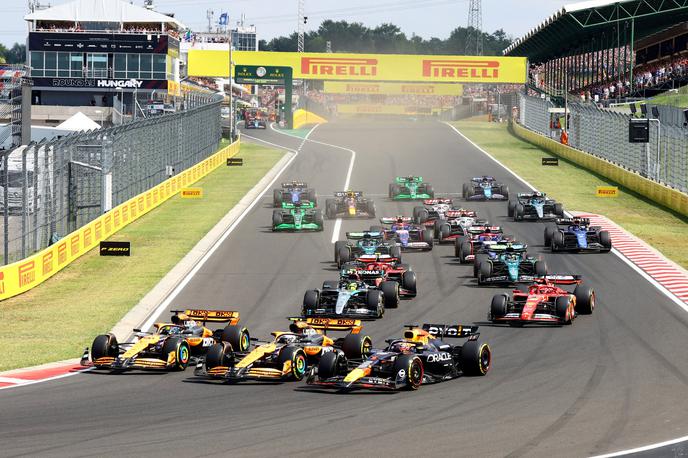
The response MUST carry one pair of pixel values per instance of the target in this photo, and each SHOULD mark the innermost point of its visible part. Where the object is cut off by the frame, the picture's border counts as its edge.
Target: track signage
(607, 191)
(259, 74)
(192, 193)
(550, 161)
(235, 161)
(347, 87)
(115, 248)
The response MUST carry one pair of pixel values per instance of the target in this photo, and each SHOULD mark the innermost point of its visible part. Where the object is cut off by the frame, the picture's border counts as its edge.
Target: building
(100, 54)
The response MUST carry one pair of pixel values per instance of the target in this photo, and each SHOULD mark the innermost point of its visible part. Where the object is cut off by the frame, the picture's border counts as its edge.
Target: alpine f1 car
(544, 302)
(410, 188)
(349, 204)
(407, 235)
(576, 234)
(394, 279)
(422, 356)
(293, 192)
(171, 347)
(508, 264)
(349, 297)
(366, 243)
(288, 355)
(535, 206)
(485, 188)
(478, 239)
(301, 216)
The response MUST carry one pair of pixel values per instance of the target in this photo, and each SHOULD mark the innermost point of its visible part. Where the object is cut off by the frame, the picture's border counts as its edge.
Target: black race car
(293, 192)
(576, 234)
(349, 204)
(534, 206)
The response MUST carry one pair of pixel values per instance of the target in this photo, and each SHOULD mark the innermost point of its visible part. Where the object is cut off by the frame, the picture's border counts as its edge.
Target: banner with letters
(345, 87)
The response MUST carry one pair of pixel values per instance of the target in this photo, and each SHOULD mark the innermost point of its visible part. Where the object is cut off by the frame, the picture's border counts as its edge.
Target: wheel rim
(299, 365)
(415, 373)
(592, 301)
(485, 359)
(244, 341)
(183, 354)
(366, 346)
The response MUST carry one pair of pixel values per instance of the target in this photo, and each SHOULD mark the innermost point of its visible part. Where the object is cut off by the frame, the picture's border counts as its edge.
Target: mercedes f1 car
(422, 356)
(576, 234)
(171, 346)
(366, 243)
(410, 188)
(508, 264)
(301, 216)
(288, 355)
(485, 188)
(408, 236)
(293, 192)
(349, 204)
(544, 302)
(534, 206)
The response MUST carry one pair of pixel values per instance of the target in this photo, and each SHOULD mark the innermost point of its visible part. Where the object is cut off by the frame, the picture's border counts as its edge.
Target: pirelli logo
(417, 89)
(461, 69)
(363, 88)
(27, 273)
(338, 66)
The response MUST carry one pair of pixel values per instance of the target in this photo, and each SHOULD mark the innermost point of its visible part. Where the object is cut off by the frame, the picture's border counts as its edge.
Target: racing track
(613, 380)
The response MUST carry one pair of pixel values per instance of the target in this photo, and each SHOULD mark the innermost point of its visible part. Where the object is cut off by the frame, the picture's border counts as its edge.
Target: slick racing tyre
(504, 190)
(605, 241)
(510, 208)
(540, 268)
(430, 191)
(585, 299)
(298, 362)
(312, 197)
(409, 368)
(559, 210)
(180, 348)
(562, 306)
(344, 256)
(390, 290)
(485, 271)
(277, 198)
(330, 209)
(420, 215)
(311, 301)
(319, 220)
(549, 231)
(557, 241)
(408, 281)
(276, 218)
(220, 354)
(429, 238)
(237, 336)
(338, 245)
(479, 259)
(498, 308)
(476, 358)
(444, 232)
(356, 346)
(464, 190)
(395, 252)
(519, 212)
(329, 365)
(104, 346)
(375, 302)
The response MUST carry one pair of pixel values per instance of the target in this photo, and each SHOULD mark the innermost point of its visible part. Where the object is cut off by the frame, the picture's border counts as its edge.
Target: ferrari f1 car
(422, 356)
(366, 243)
(485, 188)
(349, 204)
(544, 302)
(576, 234)
(507, 264)
(301, 216)
(288, 355)
(535, 206)
(293, 192)
(171, 346)
(410, 188)
(408, 236)
(393, 278)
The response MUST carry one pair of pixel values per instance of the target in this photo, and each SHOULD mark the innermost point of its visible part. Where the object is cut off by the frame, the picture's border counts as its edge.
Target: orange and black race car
(171, 346)
(289, 354)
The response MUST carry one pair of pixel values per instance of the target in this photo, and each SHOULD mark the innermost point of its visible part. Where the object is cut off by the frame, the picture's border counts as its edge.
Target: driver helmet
(403, 346)
(179, 318)
(352, 286)
(538, 194)
(298, 327)
(400, 220)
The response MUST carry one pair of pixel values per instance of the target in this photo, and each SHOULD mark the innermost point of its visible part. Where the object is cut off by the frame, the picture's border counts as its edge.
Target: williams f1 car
(293, 192)
(485, 188)
(576, 234)
(349, 204)
(301, 216)
(410, 188)
(534, 206)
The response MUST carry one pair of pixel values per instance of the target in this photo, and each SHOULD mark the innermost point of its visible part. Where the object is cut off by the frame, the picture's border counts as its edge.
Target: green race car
(299, 216)
(410, 188)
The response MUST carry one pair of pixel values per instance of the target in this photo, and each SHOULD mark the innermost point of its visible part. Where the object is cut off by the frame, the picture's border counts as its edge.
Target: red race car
(544, 302)
(381, 272)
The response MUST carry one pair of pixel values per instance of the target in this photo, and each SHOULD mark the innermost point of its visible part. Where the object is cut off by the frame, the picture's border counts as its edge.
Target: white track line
(644, 449)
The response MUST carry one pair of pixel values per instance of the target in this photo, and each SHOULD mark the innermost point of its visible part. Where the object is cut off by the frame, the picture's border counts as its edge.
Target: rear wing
(437, 201)
(487, 178)
(451, 330)
(409, 179)
(571, 221)
(344, 193)
(294, 185)
(331, 324)
(302, 204)
(485, 229)
(561, 279)
(211, 316)
(368, 258)
(504, 247)
(363, 234)
(392, 220)
(461, 214)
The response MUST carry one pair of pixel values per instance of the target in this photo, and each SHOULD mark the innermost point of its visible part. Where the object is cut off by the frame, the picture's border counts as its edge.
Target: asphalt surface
(614, 380)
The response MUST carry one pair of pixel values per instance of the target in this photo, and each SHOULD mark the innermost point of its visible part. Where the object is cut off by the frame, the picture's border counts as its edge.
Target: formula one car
(349, 297)
(349, 204)
(293, 192)
(576, 234)
(410, 188)
(288, 355)
(255, 119)
(171, 347)
(458, 224)
(431, 211)
(301, 216)
(536, 206)
(364, 243)
(485, 188)
(407, 235)
(478, 239)
(544, 302)
(508, 264)
(422, 356)
(381, 273)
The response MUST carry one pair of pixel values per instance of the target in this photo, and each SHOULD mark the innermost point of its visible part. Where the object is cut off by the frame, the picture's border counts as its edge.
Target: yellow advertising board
(607, 191)
(174, 88)
(372, 88)
(192, 193)
(368, 67)
(383, 109)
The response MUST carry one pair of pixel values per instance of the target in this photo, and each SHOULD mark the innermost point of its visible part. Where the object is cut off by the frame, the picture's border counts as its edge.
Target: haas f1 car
(422, 356)
(293, 192)
(349, 204)
(410, 188)
(544, 302)
(576, 234)
(485, 188)
(534, 206)
(301, 216)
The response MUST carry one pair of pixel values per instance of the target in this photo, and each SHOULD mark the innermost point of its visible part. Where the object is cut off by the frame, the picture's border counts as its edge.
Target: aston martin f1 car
(478, 239)
(301, 216)
(508, 264)
(485, 188)
(171, 346)
(576, 234)
(535, 206)
(349, 204)
(288, 355)
(544, 302)
(365, 243)
(349, 297)
(422, 356)
(293, 192)
(407, 235)
(410, 188)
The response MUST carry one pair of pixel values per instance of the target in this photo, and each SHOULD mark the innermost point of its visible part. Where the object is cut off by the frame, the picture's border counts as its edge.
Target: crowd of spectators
(193, 37)
(126, 28)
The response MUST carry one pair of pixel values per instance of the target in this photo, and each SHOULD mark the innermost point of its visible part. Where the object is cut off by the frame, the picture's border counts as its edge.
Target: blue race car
(508, 264)
(576, 234)
(293, 192)
(408, 236)
(485, 188)
(366, 243)
(535, 206)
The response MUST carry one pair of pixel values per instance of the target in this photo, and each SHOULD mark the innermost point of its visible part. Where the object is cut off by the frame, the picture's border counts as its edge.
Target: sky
(426, 18)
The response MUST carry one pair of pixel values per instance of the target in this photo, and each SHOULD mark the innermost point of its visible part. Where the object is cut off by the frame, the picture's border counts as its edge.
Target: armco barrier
(663, 195)
(28, 273)
(303, 118)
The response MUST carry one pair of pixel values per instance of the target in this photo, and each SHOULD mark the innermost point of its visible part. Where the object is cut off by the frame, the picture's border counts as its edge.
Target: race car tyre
(605, 241)
(395, 252)
(390, 289)
(394, 190)
(328, 366)
(410, 369)
(444, 232)
(510, 208)
(371, 209)
(276, 218)
(549, 230)
(277, 198)
(420, 215)
(180, 348)
(519, 211)
(331, 209)
(429, 238)
(311, 301)
(485, 271)
(476, 358)
(356, 346)
(585, 299)
(464, 190)
(298, 360)
(408, 281)
(540, 268)
(338, 245)
(319, 220)
(557, 241)
(498, 306)
(479, 259)
(218, 355)
(430, 191)
(504, 190)
(312, 197)
(376, 229)
(561, 305)
(104, 346)
(559, 210)
(470, 192)
(415, 213)
(344, 256)
(237, 336)
(375, 302)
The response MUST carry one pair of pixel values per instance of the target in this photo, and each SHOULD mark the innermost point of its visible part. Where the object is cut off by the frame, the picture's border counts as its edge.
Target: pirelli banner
(345, 87)
(28, 273)
(384, 109)
(368, 67)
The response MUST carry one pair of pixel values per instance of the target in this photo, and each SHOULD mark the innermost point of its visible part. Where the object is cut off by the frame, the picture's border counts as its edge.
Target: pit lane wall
(657, 192)
(303, 118)
(30, 272)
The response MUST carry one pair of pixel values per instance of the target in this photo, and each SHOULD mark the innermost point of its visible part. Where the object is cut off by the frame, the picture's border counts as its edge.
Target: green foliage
(15, 55)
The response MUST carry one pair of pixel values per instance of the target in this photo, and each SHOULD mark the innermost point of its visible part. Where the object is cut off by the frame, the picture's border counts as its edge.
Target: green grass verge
(574, 186)
(674, 99)
(59, 318)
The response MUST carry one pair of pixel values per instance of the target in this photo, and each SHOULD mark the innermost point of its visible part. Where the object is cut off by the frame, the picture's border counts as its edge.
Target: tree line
(14, 55)
(384, 39)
